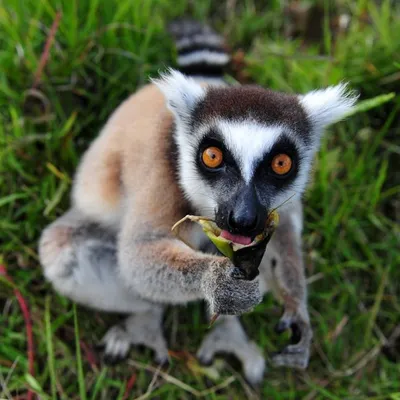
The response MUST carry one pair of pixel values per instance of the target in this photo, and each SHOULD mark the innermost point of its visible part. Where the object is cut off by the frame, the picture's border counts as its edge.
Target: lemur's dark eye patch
(280, 164)
(214, 160)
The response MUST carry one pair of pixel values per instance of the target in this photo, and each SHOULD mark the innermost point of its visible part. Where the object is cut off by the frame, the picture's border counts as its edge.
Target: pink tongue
(236, 238)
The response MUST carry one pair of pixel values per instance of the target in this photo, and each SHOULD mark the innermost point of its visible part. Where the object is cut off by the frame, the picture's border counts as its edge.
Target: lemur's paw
(115, 344)
(293, 356)
(55, 251)
(297, 354)
(228, 295)
(228, 337)
(139, 329)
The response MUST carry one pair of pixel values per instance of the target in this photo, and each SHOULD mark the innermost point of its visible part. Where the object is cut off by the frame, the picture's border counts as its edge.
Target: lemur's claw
(205, 361)
(162, 360)
(113, 359)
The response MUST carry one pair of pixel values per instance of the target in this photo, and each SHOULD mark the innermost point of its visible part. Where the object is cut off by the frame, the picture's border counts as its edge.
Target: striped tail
(201, 51)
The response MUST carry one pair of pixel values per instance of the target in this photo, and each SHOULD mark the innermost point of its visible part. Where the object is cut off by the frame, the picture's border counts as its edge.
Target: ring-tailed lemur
(192, 145)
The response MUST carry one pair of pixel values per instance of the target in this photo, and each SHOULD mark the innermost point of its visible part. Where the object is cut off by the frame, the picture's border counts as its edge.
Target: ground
(56, 94)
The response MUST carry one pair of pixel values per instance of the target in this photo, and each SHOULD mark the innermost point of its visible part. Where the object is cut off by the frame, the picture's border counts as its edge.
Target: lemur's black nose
(245, 214)
(243, 221)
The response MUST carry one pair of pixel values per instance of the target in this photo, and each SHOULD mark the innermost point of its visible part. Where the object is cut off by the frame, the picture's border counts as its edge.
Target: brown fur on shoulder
(129, 160)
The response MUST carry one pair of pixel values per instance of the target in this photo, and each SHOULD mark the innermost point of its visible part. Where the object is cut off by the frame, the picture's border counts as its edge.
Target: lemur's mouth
(239, 239)
(228, 243)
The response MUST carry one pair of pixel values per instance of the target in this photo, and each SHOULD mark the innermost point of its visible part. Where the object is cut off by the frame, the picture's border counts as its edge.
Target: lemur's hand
(226, 293)
(297, 354)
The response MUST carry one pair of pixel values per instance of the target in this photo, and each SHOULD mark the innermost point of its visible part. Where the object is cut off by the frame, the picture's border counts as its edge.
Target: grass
(102, 52)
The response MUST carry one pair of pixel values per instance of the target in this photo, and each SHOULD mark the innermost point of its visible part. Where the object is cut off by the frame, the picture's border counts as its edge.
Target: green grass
(103, 51)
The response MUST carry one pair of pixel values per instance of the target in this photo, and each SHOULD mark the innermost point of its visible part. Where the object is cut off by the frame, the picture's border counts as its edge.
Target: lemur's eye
(281, 164)
(212, 157)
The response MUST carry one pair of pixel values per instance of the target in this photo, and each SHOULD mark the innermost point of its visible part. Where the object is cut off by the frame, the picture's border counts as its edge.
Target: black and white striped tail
(201, 51)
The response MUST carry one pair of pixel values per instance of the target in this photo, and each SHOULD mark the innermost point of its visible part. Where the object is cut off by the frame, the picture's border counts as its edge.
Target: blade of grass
(50, 351)
(99, 383)
(377, 305)
(369, 104)
(79, 366)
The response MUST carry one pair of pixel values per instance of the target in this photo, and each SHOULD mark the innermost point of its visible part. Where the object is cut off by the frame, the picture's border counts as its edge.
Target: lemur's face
(243, 174)
(244, 150)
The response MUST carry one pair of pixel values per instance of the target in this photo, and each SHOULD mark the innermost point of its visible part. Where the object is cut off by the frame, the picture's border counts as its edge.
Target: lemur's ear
(182, 93)
(329, 105)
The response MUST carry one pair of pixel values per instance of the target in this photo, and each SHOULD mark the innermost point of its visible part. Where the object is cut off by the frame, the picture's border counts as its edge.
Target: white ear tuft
(329, 105)
(182, 93)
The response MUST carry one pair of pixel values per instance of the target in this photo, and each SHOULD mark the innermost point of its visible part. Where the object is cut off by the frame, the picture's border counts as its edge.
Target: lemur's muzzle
(246, 215)
(242, 219)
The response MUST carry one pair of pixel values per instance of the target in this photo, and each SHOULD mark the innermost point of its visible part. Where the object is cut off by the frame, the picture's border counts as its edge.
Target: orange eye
(281, 164)
(212, 157)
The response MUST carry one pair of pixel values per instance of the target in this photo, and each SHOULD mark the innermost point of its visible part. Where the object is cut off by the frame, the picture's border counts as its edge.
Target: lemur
(187, 142)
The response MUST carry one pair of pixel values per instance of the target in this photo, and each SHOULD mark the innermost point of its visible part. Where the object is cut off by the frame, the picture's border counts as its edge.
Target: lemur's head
(244, 150)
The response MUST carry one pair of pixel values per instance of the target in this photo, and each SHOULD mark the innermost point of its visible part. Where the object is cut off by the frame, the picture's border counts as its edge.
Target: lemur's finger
(285, 322)
(282, 326)
(237, 273)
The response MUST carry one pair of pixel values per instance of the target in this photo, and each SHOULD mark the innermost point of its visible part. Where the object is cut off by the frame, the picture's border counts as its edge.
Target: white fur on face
(183, 94)
(248, 142)
(195, 188)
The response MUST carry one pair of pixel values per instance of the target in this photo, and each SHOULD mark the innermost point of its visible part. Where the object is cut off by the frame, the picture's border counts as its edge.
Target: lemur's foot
(139, 329)
(293, 356)
(297, 354)
(115, 344)
(229, 337)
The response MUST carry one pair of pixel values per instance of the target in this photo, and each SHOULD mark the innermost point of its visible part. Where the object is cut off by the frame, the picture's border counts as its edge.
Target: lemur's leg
(282, 271)
(79, 258)
(229, 337)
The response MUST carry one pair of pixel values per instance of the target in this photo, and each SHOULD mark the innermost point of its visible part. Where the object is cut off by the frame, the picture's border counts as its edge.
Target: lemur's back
(128, 157)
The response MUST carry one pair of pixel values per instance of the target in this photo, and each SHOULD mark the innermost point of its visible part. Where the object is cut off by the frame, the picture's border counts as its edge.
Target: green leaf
(369, 104)
(33, 383)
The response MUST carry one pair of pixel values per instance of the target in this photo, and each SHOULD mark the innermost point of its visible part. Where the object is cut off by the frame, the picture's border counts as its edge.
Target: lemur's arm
(162, 269)
(288, 283)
